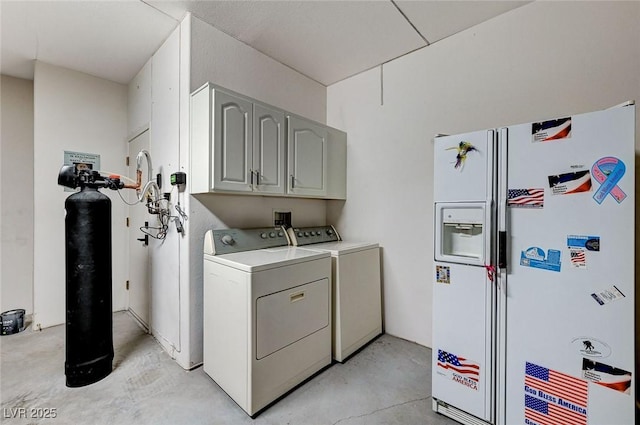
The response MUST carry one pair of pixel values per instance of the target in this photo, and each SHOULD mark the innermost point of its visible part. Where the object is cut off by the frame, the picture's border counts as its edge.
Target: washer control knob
(329, 232)
(263, 235)
(300, 234)
(280, 234)
(306, 233)
(227, 240)
(318, 233)
(272, 234)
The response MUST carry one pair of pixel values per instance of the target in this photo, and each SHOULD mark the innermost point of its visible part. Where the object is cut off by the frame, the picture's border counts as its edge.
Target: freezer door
(462, 365)
(463, 167)
(569, 330)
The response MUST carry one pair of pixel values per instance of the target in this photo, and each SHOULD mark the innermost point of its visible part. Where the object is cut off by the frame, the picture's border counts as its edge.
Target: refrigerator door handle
(502, 250)
(489, 221)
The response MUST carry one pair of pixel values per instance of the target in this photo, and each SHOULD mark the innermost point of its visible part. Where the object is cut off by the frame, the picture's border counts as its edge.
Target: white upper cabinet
(233, 143)
(268, 149)
(307, 157)
(243, 146)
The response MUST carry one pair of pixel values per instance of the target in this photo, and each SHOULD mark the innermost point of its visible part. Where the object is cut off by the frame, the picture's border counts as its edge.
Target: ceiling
(325, 40)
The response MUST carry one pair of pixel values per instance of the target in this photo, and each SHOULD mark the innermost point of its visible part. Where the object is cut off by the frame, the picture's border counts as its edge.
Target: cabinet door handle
(293, 181)
(257, 177)
(251, 172)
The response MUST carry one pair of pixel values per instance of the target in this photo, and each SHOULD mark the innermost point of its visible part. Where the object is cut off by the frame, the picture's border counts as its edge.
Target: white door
(462, 362)
(233, 143)
(268, 149)
(570, 270)
(139, 291)
(463, 294)
(307, 144)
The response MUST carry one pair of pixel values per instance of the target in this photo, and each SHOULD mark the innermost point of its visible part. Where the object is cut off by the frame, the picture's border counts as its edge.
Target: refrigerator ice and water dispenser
(460, 233)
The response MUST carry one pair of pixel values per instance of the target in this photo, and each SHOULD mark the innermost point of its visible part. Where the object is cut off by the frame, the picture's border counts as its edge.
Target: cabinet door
(307, 146)
(268, 149)
(233, 143)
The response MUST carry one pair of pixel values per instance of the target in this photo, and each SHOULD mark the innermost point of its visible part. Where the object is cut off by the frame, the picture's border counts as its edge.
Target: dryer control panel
(309, 235)
(227, 241)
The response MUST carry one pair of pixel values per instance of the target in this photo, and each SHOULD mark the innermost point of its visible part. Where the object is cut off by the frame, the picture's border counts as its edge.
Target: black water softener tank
(89, 325)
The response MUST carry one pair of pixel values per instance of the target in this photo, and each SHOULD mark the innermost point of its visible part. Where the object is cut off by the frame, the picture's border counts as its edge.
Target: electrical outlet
(282, 218)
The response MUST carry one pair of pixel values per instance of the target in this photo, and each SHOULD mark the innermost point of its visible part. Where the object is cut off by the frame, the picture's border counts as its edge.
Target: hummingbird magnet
(463, 149)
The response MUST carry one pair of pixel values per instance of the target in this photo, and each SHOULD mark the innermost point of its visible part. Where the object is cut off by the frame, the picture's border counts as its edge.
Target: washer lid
(265, 259)
(342, 247)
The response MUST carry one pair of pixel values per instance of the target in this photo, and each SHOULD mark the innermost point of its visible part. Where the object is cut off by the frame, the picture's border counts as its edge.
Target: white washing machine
(267, 314)
(356, 289)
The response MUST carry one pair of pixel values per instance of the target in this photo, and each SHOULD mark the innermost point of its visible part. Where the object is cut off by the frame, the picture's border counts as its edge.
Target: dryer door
(285, 317)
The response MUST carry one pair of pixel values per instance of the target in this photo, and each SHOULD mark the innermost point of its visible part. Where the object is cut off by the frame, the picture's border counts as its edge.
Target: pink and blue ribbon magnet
(608, 171)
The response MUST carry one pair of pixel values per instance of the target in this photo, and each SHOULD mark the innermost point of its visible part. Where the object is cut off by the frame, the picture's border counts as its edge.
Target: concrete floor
(386, 383)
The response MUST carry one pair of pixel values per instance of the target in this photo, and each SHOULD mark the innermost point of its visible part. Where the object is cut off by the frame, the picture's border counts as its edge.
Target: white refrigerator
(533, 294)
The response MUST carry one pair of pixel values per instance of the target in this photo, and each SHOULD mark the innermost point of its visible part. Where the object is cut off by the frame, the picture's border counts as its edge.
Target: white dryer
(356, 289)
(267, 314)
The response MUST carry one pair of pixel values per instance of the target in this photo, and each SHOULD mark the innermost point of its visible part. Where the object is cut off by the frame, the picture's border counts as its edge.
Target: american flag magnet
(578, 246)
(458, 369)
(578, 258)
(553, 397)
(525, 198)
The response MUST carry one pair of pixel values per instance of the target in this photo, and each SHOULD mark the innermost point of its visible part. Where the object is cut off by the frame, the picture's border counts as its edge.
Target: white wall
(542, 60)
(76, 112)
(139, 102)
(164, 146)
(225, 61)
(16, 178)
